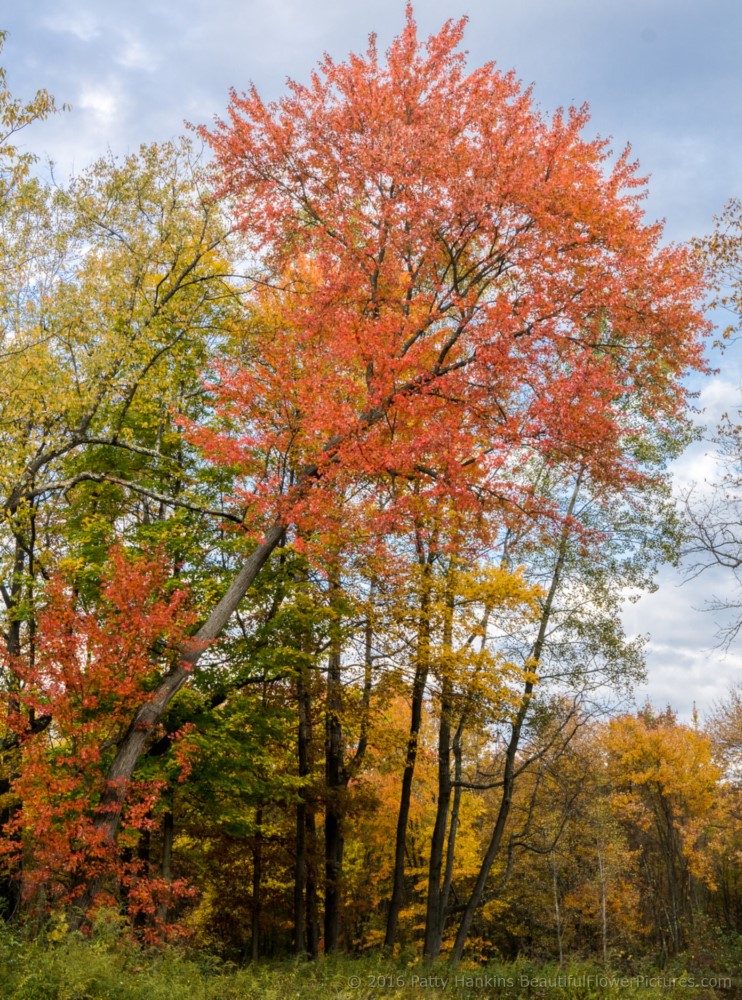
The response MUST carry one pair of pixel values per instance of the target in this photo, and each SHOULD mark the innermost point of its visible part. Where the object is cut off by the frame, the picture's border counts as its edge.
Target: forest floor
(106, 967)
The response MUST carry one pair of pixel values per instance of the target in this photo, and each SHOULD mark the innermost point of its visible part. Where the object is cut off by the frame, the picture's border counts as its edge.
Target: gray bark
(149, 714)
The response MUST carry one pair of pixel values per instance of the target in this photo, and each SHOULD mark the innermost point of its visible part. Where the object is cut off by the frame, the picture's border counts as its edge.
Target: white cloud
(697, 468)
(684, 677)
(721, 394)
(136, 54)
(101, 100)
(82, 24)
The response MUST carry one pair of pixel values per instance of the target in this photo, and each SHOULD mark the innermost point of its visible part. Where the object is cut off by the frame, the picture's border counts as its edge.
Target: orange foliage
(454, 283)
(91, 667)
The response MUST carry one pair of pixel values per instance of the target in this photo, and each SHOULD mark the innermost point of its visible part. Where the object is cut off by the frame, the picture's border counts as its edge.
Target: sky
(663, 75)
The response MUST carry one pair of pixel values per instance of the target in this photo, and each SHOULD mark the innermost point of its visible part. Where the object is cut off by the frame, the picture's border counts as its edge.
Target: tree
(113, 290)
(610, 538)
(713, 510)
(579, 891)
(456, 284)
(15, 115)
(724, 730)
(470, 681)
(665, 790)
(91, 665)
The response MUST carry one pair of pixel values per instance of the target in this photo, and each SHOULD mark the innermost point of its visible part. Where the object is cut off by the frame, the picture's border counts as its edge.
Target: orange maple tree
(454, 282)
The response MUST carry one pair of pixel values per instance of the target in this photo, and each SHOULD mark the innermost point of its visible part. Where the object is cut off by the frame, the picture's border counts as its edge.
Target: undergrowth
(110, 966)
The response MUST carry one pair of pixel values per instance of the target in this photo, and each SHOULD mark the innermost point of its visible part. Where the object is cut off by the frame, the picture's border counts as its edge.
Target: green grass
(109, 967)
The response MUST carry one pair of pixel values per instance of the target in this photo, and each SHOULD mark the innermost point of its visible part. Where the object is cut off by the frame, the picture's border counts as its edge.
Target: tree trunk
(497, 834)
(257, 874)
(306, 927)
(334, 844)
(335, 780)
(603, 905)
(300, 869)
(434, 913)
(10, 881)
(300, 879)
(166, 868)
(422, 658)
(557, 911)
(454, 826)
(433, 929)
(149, 714)
(312, 912)
(508, 777)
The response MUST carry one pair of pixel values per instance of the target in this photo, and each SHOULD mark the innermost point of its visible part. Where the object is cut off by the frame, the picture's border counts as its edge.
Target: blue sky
(662, 74)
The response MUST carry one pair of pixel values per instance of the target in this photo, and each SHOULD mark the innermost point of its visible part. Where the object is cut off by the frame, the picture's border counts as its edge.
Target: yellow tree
(666, 792)
(724, 729)
(113, 296)
(472, 682)
(16, 115)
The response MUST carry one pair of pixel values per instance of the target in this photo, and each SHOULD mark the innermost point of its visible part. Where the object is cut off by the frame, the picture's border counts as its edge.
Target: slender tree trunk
(300, 870)
(672, 855)
(433, 930)
(334, 845)
(400, 845)
(603, 905)
(497, 834)
(336, 782)
(312, 912)
(339, 773)
(418, 691)
(300, 879)
(151, 711)
(434, 914)
(143, 856)
(508, 777)
(557, 911)
(454, 826)
(306, 926)
(10, 881)
(166, 867)
(257, 875)
(144, 848)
